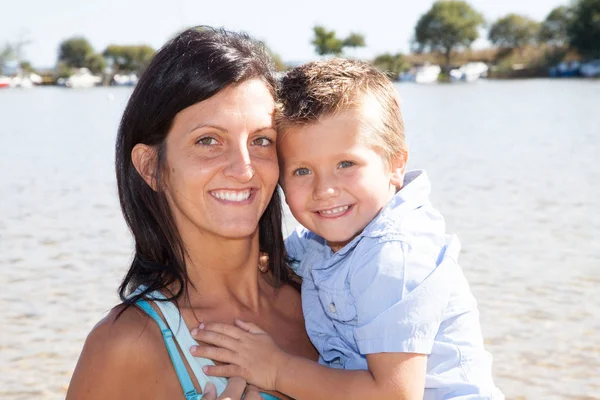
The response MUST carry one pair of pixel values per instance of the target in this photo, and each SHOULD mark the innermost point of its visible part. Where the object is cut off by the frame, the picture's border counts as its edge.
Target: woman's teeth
(231, 195)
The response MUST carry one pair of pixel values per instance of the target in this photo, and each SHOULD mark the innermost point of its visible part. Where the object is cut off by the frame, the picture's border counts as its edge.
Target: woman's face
(222, 162)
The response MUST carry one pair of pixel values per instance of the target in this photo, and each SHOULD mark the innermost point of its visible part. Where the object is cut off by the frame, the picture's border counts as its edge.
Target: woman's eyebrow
(205, 125)
(222, 129)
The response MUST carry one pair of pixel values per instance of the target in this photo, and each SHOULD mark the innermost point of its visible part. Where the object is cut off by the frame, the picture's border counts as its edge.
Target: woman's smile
(229, 196)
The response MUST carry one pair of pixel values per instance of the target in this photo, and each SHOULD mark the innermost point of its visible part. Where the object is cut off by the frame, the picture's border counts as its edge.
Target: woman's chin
(238, 230)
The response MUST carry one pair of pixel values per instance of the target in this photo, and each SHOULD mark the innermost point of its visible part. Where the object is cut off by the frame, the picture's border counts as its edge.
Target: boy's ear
(143, 158)
(398, 170)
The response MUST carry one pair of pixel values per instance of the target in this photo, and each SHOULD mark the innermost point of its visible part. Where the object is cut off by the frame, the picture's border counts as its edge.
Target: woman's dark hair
(192, 67)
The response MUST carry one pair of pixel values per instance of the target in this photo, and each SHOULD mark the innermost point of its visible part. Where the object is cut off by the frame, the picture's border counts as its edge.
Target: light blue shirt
(396, 287)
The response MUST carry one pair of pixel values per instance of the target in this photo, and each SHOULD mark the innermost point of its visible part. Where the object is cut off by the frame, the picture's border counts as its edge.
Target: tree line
(451, 26)
(448, 28)
(77, 52)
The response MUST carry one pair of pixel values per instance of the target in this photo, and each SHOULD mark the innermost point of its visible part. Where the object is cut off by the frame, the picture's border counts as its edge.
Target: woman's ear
(144, 160)
(398, 170)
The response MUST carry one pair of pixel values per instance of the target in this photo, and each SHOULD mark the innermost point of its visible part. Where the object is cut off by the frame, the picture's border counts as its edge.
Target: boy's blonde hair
(322, 88)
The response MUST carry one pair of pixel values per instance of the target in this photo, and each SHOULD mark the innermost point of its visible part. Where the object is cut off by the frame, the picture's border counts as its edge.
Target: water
(514, 167)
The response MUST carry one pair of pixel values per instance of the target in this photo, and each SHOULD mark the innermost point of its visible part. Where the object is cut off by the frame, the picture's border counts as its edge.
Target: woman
(197, 175)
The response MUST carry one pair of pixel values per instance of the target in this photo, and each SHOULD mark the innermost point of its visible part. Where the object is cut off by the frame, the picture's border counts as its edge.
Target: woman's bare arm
(118, 360)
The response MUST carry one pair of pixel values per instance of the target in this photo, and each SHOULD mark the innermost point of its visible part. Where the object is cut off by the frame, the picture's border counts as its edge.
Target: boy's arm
(390, 376)
(252, 355)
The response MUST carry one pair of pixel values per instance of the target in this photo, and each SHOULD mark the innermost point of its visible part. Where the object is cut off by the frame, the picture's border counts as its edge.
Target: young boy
(385, 302)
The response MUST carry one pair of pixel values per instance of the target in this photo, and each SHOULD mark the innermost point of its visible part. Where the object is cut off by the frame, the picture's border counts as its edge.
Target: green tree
(279, 64)
(554, 29)
(128, 58)
(447, 26)
(6, 54)
(354, 40)
(74, 51)
(514, 31)
(584, 30)
(392, 64)
(277, 61)
(326, 42)
(26, 67)
(95, 63)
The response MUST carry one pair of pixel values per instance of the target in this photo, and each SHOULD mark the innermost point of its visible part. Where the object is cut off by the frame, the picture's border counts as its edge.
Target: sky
(286, 27)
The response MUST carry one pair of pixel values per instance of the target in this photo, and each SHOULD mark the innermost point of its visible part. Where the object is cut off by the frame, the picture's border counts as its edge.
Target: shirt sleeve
(400, 296)
(295, 245)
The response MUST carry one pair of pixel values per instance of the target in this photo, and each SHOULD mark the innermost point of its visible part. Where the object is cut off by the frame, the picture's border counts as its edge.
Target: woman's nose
(240, 164)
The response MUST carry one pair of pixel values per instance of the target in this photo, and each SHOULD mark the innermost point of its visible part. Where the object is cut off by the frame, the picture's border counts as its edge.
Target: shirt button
(332, 307)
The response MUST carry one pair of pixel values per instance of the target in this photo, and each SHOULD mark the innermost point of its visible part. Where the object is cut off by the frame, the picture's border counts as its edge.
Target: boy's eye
(207, 141)
(345, 164)
(301, 171)
(262, 141)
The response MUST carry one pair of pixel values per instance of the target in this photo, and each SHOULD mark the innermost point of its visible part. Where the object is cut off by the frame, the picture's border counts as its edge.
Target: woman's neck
(223, 272)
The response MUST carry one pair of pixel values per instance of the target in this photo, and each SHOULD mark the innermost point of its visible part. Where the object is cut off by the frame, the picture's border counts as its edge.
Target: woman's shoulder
(119, 351)
(124, 330)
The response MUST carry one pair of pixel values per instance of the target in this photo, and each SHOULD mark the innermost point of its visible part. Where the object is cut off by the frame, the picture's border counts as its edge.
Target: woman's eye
(262, 141)
(302, 171)
(207, 141)
(345, 164)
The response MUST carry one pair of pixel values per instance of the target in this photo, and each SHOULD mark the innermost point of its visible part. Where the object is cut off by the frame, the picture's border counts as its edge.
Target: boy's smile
(334, 212)
(335, 182)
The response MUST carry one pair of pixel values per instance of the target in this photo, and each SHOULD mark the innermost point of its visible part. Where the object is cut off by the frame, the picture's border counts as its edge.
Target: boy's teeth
(336, 210)
(231, 195)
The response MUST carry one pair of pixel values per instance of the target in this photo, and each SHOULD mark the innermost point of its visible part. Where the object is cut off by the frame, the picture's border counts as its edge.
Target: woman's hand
(247, 351)
(236, 388)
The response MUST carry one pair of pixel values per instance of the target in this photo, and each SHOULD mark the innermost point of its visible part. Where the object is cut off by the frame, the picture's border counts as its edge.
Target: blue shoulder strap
(182, 374)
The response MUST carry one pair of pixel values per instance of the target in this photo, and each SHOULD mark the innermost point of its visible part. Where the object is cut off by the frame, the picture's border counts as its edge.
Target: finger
(209, 392)
(234, 390)
(226, 371)
(252, 393)
(216, 339)
(214, 353)
(248, 327)
(224, 329)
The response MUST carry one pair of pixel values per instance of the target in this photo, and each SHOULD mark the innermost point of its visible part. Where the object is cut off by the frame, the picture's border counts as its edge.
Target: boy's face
(334, 182)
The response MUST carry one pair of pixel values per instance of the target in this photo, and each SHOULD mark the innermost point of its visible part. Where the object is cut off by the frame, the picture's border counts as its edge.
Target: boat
(565, 69)
(5, 81)
(407, 76)
(82, 79)
(469, 72)
(124, 79)
(25, 81)
(590, 69)
(427, 73)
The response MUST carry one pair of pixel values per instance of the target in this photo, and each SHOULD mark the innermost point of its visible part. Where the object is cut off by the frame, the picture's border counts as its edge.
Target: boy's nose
(325, 189)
